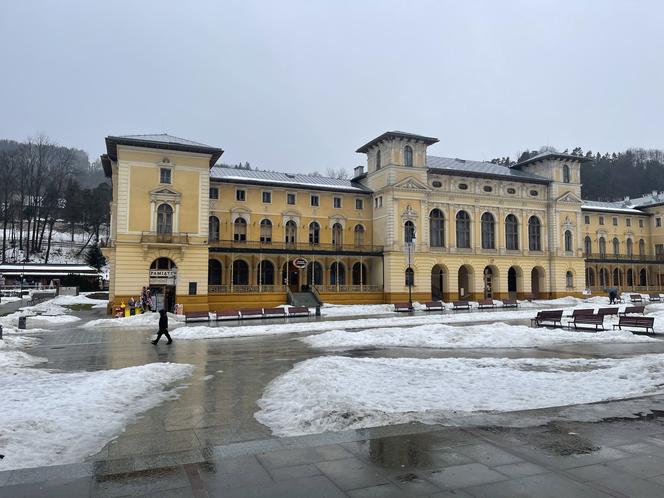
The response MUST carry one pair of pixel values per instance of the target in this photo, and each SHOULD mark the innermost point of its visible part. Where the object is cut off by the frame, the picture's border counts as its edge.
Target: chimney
(359, 171)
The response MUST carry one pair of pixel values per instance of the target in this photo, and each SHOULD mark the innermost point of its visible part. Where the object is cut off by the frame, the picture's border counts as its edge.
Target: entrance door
(511, 283)
(534, 283)
(163, 297)
(488, 283)
(290, 276)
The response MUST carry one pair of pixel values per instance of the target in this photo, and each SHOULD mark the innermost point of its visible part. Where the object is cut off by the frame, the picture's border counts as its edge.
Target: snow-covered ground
(78, 300)
(145, 320)
(494, 335)
(53, 418)
(337, 393)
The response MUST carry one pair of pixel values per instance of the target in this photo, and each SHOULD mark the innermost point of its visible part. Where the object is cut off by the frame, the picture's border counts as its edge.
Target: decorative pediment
(411, 183)
(165, 194)
(569, 197)
(568, 224)
(409, 213)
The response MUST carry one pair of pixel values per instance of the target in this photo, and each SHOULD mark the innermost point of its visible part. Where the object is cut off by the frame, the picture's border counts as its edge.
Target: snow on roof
(617, 207)
(275, 178)
(481, 168)
(164, 138)
(31, 268)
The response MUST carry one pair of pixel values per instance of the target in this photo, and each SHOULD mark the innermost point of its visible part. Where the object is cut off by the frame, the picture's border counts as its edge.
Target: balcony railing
(624, 257)
(254, 245)
(164, 238)
(350, 288)
(244, 289)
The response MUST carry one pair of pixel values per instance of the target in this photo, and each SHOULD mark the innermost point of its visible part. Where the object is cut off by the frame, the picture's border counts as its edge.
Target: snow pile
(337, 393)
(495, 335)
(145, 320)
(40, 315)
(80, 299)
(355, 309)
(53, 418)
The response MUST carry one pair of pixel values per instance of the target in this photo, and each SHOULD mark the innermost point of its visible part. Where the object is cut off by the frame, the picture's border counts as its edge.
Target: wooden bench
(582, 312)
(633, 309)
(484, 304)
(654, 297)
(510, 303)
(248, 313)
(274, 313)
(434, 306)
(547, 316)
(402, 307)
(197, 316)
(227, 315)
(607, 311)
(636, 298)
(596, 320)
(643, 322)
(460, 305)
(298, 311)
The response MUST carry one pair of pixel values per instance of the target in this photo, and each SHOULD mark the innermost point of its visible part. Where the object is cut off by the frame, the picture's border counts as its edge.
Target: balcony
(157, 238)
(253, 246)
(624, 258)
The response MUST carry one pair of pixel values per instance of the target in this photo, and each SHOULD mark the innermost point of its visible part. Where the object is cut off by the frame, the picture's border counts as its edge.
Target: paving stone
(167, 459)
(300, 456)
(413, 484)
(166, 442)
(457, 493)
(604, 454)
(116, 466)
(295, 472)
(488, 454)
(140, 482)
(352, 473)
(521, 469)
(632, 486)
(382, 491)
(541, 486)
(640, 466)
(68, 472)
(461, 476)
(233, 472)
(49, 489)
(595, 472)
(306, 487)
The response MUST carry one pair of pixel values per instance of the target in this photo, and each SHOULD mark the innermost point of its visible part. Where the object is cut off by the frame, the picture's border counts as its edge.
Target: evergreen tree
(94, 257)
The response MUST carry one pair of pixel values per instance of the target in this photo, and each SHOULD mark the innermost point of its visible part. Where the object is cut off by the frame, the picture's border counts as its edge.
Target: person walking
(163, 327)
(613, 295)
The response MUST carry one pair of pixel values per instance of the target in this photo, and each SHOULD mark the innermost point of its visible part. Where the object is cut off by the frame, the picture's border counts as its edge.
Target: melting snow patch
(337, 393)
(145, 320)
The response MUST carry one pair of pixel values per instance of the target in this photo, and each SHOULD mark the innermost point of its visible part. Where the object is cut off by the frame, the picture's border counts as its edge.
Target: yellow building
(212, 238)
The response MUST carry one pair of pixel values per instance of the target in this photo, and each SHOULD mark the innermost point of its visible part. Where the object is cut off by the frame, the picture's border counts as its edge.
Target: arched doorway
(490, 279)
(337, 274)
(359, 274)
(314, 273)
(214, 272)
(439, 289)
(265, 275)
(465, 282)
(536, 282)
(240, 272)
(513, 282)
(290, 276)
(162, 277)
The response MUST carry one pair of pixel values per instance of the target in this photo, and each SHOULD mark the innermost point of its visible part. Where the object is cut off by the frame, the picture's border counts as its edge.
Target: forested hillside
(612, 176)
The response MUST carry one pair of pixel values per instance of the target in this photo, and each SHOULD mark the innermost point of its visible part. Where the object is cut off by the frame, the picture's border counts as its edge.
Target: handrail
(258, 245)
(289, 295)
(316, 294)
(164, 238)
(624, 257)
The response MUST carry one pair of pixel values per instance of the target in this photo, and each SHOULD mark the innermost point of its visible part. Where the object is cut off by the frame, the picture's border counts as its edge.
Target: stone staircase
(306, 298)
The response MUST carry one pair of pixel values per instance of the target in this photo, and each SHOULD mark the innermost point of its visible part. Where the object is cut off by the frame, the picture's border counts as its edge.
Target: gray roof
(481, 169)
(651, 199)
(397, 134)
(164, 138)
(615, 207)
(292, 180)
(552, 155)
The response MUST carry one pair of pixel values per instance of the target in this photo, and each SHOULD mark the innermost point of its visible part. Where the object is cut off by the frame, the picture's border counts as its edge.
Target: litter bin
(21, 322)
(132, 311)
(0, 331)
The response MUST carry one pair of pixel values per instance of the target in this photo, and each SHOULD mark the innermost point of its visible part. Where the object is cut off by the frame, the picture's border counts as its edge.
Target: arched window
(534, 234)
(265, 275)
(616, 277)
(337, 274)
(378, 165)
(266, 231)
(436, 228)
(315, 273)
(163, 264)
(602, 247)
(616, 246)
(630, 248)
(642, 247)
(240, 229)
(603, 277)
(568, 241)
(291, 232)
(410, 277)
(359, 274)
(588, 246)
(164, 219)
(408, 231)
(569, 279)
(408, 155)
(590, 277)
(488, 231)
(566, 174)
(359, 235)
(213, 229)
(511, 233)
(643, 281)
(337, 234)
(314, 233)
(214, 272)
(463, 230)
(240, 272)
(630, 278)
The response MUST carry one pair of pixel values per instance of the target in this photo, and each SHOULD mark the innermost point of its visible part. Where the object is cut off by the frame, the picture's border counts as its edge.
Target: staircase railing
(289, 294)
(316, 294)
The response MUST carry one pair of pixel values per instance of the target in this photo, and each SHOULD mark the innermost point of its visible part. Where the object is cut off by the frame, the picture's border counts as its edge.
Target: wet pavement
(207, 442)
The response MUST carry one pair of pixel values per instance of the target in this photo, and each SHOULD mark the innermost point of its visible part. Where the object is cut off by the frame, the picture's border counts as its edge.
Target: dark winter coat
(163, 320)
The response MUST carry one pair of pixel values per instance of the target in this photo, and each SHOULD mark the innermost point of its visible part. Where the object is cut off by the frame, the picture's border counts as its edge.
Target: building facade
(213, 238)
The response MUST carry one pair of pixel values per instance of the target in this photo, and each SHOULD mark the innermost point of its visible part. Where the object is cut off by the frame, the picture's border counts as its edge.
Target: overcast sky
(299, 85)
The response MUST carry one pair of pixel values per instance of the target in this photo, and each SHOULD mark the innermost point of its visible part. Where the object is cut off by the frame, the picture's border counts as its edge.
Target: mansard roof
(292, 180)
(388, 135)
(480, 169)
(542, 156)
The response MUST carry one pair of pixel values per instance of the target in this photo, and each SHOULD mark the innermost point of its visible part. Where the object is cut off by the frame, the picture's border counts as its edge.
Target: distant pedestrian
(613, 295)
(144, 299)
(163, 327)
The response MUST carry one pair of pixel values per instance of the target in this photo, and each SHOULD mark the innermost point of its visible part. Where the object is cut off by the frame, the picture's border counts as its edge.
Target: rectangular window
(315, 200)
(628, 222)
(267, 197)
(601, 220)
(337, 202)
(214, 193)
(376, 202)
(615, 221)
(290, 199)
(659, 249)
(240, 195)
(380, 201)
(359, 204)
(587, 220)
(193, 288)
(658, 222)
(640, 223)
(165, 175)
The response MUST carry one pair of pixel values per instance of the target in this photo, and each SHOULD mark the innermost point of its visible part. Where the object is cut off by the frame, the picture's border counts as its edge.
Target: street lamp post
(410, 246)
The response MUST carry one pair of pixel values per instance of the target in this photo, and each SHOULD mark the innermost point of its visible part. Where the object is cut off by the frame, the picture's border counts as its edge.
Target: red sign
(300, 263)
